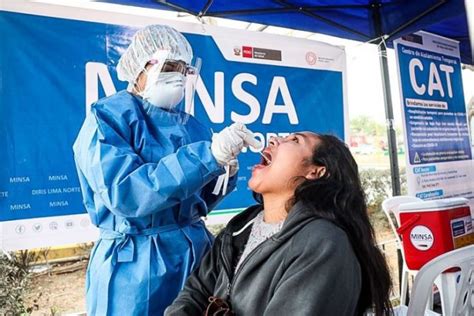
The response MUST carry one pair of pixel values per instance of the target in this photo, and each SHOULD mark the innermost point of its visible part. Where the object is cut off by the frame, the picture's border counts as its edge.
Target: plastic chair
(462, 293)
(392, 206)
(401, 310)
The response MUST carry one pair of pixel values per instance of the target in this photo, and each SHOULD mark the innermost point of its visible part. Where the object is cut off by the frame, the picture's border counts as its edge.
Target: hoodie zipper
(227, 265)
(249, 256)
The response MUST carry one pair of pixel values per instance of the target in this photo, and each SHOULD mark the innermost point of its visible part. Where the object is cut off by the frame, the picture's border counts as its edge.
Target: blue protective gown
(147, 177)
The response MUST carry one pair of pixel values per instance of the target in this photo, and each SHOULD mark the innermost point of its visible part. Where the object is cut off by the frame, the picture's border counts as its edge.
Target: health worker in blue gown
(148, 173)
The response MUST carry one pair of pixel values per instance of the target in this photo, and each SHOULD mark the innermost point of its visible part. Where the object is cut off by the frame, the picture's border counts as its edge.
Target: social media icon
(20, 229)
(37, 227)
(53, 226)
(69, 224)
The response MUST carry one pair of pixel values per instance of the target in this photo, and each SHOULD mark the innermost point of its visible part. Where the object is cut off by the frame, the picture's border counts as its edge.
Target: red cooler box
(430, 228)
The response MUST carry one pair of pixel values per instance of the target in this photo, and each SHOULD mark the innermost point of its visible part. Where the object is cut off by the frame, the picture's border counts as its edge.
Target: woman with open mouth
(307, 247)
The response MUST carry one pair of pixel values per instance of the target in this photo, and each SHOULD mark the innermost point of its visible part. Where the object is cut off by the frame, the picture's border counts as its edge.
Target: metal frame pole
(391, 135)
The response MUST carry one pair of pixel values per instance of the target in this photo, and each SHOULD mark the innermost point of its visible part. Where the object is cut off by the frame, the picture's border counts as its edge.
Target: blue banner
(439, 160)
(435, 113)
(52, 68)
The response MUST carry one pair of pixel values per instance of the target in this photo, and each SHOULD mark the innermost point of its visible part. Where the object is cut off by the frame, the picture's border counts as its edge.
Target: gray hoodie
(308, 268)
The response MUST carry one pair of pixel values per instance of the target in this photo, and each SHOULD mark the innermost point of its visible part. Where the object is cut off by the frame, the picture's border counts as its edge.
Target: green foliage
(14, 282)
(377, 186)
(370, 127)
(367, 126)
(54, 311)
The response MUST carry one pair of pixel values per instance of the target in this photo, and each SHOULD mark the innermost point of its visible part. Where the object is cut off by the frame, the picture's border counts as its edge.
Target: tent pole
(391, 136)
(176, 7)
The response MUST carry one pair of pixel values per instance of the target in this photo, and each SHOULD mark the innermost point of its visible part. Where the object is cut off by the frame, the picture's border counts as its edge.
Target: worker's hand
(228, 143)
(234, 167)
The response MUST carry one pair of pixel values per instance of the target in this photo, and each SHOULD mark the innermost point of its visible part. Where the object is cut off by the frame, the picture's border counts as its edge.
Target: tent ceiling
(362, 20)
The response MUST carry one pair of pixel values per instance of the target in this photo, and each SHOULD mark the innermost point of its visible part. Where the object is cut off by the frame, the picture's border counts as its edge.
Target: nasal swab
(266, 158)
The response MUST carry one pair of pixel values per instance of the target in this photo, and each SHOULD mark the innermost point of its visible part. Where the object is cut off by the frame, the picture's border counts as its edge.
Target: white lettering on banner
(279, 84)
(58, 203)
(19, 179)
(264, 139)
(56, 190)
(61, 177)
(435, 83)
(448, 70)
(215, 110)
(20, 207)
(39, 192)
(415, 62)
(72, 190)
(246, 98)
(96, 72)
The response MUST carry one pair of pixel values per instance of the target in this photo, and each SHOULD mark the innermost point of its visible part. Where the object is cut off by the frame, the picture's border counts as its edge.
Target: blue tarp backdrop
(361, 20)
(43, 103)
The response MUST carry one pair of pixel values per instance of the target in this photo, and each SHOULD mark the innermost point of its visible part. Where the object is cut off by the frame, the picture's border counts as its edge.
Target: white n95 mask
(164, 89)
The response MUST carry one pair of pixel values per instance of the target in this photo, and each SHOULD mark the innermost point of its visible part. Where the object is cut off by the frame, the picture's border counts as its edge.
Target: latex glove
(234, 167)
(223, 180)
(228, 143)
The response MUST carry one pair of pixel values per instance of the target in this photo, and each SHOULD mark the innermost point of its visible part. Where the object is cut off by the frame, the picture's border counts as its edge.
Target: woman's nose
(274, 141)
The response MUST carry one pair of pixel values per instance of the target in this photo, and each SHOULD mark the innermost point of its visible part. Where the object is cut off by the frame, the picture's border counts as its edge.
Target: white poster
(439, 157)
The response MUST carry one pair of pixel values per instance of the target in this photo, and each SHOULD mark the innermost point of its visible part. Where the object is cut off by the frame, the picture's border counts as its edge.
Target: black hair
(338, 196)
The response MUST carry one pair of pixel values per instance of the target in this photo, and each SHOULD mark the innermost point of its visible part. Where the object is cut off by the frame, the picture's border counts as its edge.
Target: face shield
(170, 84)
(158, 66)
(191, 82)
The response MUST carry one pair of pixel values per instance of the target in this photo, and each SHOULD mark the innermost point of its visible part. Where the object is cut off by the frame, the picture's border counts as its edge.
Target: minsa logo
(311, 58)
(421, 238)
(247, 51)
(261, 53)
(237, 51)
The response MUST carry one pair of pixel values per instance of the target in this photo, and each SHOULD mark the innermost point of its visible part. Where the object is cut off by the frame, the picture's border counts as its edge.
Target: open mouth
(266, 159)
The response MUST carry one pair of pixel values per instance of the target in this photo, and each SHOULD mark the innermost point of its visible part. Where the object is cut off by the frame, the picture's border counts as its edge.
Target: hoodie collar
(298, 216)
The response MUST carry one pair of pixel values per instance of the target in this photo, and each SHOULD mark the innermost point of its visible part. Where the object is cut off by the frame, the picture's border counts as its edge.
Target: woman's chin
(259, 186)
(253, 184)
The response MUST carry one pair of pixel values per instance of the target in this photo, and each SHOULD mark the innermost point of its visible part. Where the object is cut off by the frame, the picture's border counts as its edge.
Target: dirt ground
(58, 293)
(61, 290)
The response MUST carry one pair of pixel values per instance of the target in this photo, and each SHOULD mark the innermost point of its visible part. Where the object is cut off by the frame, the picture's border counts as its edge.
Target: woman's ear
(316, 172)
